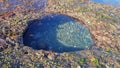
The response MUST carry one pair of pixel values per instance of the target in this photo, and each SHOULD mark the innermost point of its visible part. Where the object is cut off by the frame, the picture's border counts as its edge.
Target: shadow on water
(58, 33)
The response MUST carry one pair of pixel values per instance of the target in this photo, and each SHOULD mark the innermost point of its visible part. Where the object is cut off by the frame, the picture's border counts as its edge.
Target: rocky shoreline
(103, 22)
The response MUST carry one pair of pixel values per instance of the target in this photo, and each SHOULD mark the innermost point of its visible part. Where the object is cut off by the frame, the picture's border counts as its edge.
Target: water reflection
(57, 33)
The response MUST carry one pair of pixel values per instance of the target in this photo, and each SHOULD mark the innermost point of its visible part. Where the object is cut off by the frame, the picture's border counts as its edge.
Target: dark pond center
(58, 33)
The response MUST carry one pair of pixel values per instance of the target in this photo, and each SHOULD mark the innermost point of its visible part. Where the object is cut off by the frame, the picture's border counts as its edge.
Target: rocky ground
(103, 22)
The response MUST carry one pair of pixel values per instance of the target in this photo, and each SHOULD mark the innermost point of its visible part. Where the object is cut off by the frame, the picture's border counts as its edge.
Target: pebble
(78, 66)
(50, 57)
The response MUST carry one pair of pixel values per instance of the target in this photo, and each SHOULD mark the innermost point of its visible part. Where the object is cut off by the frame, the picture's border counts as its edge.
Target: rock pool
(58, 33)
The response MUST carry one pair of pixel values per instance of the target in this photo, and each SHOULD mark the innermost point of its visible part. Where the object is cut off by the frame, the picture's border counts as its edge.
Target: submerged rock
(57, 33)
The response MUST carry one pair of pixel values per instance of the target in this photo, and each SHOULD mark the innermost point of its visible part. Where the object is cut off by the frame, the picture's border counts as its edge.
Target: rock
(78, 66)
(50, 57)
(2, 44)
(1, 1)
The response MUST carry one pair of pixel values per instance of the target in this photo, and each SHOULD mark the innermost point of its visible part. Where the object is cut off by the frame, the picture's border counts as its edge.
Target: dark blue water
(108, 2)
(58, 33)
